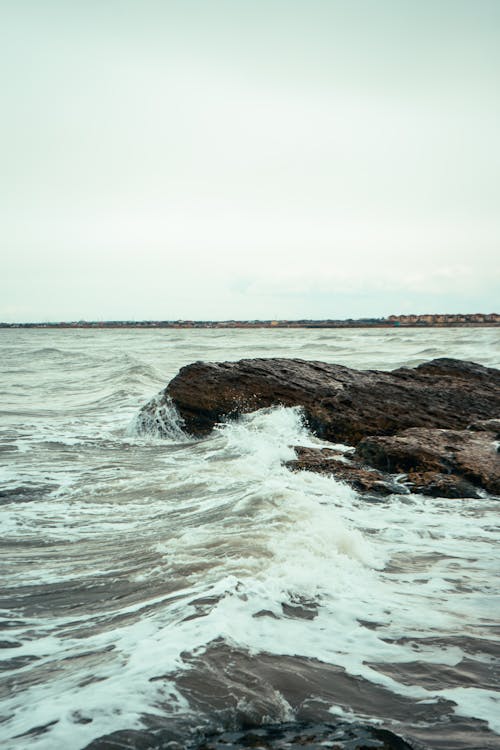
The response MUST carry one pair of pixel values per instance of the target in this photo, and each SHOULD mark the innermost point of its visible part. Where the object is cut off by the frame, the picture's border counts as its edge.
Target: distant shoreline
(473, 321)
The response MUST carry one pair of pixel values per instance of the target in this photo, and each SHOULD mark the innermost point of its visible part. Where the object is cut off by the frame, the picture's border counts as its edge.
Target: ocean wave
(158, 419)
(181, 582)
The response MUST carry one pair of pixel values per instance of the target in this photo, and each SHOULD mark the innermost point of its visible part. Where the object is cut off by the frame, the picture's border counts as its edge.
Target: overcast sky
(248, 158)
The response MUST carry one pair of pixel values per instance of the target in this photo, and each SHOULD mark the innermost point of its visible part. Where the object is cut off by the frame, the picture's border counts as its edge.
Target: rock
(340, 404)
(286, 736)
(295, 736)
(332, 463)
(126, 739)
(437, 459)
(433, 422)
(486, 425)
(434, 484)
(312, 455)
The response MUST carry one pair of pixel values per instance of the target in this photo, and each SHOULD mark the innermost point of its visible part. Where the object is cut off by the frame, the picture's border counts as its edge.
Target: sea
(189, 585)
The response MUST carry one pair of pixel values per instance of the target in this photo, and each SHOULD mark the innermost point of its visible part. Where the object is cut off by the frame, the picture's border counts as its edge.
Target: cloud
(247, 159)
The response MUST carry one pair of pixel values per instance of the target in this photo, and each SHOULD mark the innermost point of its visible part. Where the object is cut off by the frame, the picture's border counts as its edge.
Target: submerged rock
(286, 736)
(341, 736)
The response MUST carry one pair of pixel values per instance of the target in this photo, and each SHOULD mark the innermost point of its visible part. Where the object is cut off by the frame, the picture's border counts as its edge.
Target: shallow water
(183, 584)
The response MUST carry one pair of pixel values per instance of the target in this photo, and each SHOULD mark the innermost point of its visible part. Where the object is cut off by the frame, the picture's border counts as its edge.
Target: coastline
(210, 325)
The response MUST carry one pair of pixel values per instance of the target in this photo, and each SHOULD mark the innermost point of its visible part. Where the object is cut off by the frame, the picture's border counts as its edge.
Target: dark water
(176, 585)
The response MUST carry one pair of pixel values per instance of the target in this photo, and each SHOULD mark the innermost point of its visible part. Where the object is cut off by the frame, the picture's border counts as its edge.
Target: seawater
(200, 584)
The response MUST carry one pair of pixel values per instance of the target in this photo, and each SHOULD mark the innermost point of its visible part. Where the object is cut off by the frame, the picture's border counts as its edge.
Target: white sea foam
(476, 702)
(129, 531)
(159, 419)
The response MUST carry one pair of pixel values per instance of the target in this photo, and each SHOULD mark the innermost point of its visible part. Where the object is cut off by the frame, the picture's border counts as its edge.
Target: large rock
(340, 404)
(436, 424)
(412, 473)
(438, 458)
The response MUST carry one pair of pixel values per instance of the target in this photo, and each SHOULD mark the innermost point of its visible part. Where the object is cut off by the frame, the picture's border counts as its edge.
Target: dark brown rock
(313, 455)
(428, 454)
(340, 404)
(333, 463)
(486, 425)
(434, 484)
(434, 422)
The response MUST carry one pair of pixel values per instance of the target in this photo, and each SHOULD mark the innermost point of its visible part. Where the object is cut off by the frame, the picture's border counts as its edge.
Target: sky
(248, 159)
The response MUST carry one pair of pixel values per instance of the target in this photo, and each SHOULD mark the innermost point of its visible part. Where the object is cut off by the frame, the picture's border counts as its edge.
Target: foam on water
(161, 419)
(135, 551)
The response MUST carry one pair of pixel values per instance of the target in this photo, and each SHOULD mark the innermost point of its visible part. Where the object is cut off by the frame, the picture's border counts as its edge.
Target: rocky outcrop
(456, 460)
(435, 423)
(340, 404)
(330, 462)
(438, 463)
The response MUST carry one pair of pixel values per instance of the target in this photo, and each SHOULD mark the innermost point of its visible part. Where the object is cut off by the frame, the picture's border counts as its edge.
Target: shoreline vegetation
(393, 321)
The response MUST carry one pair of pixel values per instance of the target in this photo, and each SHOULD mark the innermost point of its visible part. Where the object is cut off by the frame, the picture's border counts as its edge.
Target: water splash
(159, 418)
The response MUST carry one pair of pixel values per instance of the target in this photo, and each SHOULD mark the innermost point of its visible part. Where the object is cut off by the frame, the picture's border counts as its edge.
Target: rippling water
(182, 584)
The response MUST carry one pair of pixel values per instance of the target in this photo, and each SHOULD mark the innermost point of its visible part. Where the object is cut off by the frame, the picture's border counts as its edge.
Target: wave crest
(158, 418)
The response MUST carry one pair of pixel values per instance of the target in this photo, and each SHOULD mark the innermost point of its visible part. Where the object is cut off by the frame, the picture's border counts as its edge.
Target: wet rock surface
(436, 423)
(295, 736)
(435, 484)
(330, 462)
(486, 425)
(286, 736)
(436, 463)
(456, 460)
(339, 403)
